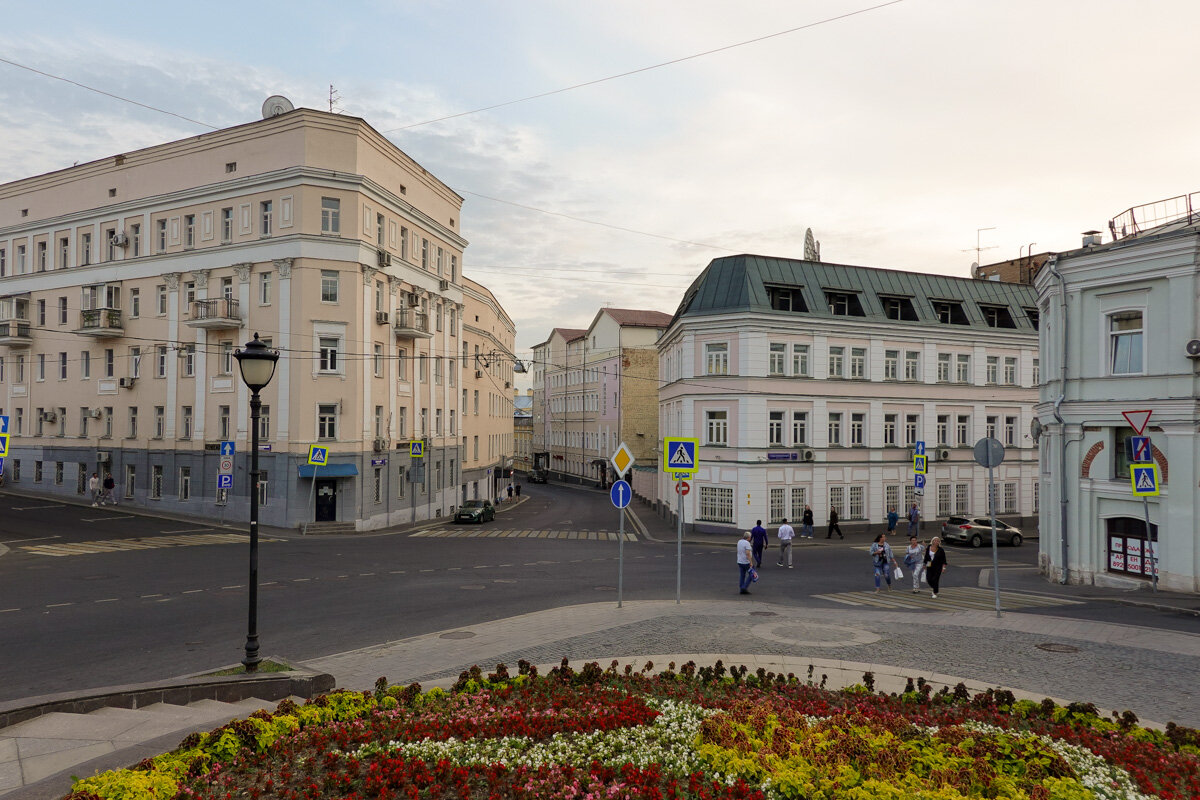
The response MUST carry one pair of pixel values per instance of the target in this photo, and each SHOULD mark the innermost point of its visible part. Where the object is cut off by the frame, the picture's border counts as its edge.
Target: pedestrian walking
(518, 490)
(94, 488)
(806, 523)
(510, 491)
(785, 533)
(833, 525)
(881, 557)
(935, 564)
(914, 559)
(743, 561)
(109, 485)
(914, 517)
(758, 539)
(893, 519)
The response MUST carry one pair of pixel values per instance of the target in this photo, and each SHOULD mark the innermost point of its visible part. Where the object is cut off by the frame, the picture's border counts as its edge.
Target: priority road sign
(318, 455)
(622, 460)
(1140, 447)
(920, 464)
(679, 454)
(1144, 478)
(227, 448)
(224, 481)
(919, 481)
(621, 493)
(416, 449)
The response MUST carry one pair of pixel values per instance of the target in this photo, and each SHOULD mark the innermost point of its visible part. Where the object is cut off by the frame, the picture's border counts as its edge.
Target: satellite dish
(1035, 429)
(275, 105)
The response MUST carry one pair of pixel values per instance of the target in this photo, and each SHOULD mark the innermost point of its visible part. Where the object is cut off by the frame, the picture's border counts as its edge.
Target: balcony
(101, 323)
(218, 313)
(16, 333)
(411, 324)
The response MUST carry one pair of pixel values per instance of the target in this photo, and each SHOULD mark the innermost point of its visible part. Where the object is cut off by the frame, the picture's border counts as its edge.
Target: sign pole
(620, 555)
(995, 547)
(1151, 553)
(312, 493)
(679, 548)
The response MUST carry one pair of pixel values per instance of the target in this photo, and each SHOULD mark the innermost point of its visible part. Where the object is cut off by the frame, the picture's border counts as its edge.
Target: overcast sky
(894, 133)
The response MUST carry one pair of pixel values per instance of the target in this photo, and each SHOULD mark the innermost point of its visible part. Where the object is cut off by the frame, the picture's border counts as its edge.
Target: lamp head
(257, 363)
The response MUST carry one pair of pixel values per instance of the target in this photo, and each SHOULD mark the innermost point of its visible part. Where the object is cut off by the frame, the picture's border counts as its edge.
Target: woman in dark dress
(935, 562)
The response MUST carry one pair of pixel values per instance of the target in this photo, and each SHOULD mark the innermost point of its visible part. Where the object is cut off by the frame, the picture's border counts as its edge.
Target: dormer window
(1034, 317)
(786, 298)
(997, 316)
(950, 312)
(899, 308)
(843, 304)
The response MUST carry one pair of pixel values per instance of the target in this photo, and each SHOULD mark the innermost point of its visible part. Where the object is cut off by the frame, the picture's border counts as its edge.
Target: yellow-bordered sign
(1144, 479)
(681, 455)
(921, 464)
(318, 455)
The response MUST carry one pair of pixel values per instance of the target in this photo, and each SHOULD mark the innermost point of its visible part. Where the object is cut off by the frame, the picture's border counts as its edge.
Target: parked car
(977, 530)
(538, 475)
(475, 511)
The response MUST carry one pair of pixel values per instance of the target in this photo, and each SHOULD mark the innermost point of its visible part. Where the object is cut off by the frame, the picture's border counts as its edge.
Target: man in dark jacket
(758, 541)
(806, 522)
(833, 525)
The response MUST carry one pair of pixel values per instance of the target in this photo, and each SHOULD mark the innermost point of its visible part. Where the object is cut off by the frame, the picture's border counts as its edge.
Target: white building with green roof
(812, 383)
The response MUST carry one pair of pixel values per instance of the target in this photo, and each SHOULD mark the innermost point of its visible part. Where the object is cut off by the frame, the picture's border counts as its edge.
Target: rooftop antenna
(333, 100)
(979, 248)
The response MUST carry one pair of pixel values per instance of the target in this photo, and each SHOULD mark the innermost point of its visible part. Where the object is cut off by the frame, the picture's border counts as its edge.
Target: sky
(896, 133)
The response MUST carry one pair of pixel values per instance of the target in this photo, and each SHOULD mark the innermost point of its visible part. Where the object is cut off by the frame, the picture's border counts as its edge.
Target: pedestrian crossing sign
(679, 455)
(1144, 478)
(318, 455)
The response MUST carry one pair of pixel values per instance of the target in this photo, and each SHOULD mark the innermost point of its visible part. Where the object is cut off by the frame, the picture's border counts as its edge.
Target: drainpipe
(1052, 265)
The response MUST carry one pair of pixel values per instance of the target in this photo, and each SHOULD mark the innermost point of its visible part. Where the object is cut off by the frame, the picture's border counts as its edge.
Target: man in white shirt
(786, 533)
(744, 554)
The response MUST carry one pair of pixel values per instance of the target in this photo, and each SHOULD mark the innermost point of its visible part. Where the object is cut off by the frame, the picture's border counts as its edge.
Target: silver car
(977, 530)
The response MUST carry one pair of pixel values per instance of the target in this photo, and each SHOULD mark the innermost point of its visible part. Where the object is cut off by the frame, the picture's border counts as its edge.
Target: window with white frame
(837, 362)
(910, 495)
(835, 429)
(1010, 431)
(962, 498)
(160, 361)
(837, 499)
(891, 365)
(1010, 498)
(226, 225)
(857, 509)
(185, 417)
(912, 365)
(889, 429)
(962, 368)
(130, 480)
(716, 358)
(943, 495)
(943, 367)
(223, 422)
(264, 422)
(891, 494)
(776, 507)
(160, 421)
(329, 286)
(1037, 372)
(327, 421)
(858, 424)
(858, 363)
(799, 500)
(778, 355)
(377, 360)
(775, 428)
(962, 430)
(943, 429)
(264, 288)
(1010, 370)
(716, 427)
(328, 347)
(991, 423)
(226, 362)
(189, 361)
(799, 428)
(911, 429)
(716, 504)
(993, 369)
(266, 213)
(264, 486)
(800, 360)
(185, 483)
(1125, 343)
(161, 299)
(331, 215)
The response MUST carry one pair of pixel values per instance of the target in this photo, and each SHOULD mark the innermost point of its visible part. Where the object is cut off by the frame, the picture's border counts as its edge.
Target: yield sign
(1137, 420)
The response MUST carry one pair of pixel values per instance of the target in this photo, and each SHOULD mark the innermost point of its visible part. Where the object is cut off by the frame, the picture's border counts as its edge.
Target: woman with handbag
(881, 557)
(935, 563)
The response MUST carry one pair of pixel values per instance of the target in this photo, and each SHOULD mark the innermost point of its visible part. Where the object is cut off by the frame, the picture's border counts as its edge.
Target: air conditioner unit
(942, 455)
(414, 301)
(443, 285)
(101, 456)
(120, 240)
(380, 445)
(126, 383)
(385, 258)
(1193, 348)
(808, 455)
(478, 373)
(49, 416)
(95, 413)
(381, 317)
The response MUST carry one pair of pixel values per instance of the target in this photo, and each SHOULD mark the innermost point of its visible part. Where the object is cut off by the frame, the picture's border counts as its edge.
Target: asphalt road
(94, 597)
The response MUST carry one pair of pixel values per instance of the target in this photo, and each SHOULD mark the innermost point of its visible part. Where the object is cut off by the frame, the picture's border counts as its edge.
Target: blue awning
(329, 470)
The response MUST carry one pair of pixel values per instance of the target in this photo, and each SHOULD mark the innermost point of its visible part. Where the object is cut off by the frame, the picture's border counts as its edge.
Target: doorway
(326, 500)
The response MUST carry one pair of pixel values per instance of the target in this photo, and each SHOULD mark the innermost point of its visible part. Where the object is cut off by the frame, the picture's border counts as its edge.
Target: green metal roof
(739, 283)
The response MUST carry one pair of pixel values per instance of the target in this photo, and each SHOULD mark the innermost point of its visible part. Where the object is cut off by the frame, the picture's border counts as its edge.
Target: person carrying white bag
(914, 559)
(881, 557)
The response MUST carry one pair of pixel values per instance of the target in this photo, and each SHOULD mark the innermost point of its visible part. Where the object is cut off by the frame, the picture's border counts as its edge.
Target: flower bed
(692, 733)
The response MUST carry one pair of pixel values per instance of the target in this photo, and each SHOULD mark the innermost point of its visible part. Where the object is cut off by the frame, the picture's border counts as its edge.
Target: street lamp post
(257, 364)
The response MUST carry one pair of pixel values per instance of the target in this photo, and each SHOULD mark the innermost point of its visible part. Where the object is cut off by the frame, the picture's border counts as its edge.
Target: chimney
(1092, 238)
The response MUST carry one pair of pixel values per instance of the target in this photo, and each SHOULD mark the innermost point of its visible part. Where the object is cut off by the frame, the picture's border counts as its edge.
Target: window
(156, 482)
(377, 360)
(37, 471)
(1125, 342)
(424, 254)
(898, 308)
(135, 240)
(837, 358)
(962, 498)
(327, 421)
(950, 312)
(64, 253)
(160, 301)
(962, 430)
(1010, 498)
(1121, 451)
(775, 428)
(223, 422)
(1036, 496)
(856, 509)
(85, 249)
(41, 366)
(1032, 313)
(41, 313)
(264, 422)
(185, 483)
(997, 316)
(717, 427)
(993, 369)
(716, 358)
(189, 230)
(858, 422)
(799, 500)
(776, 508)
(160, 361)
(85, 364)
(911, 431)
(943, 362)
(84, 416)
(837, 499)
(329, 286)
(331, 215)
(892, 497)
(716, 504)
(161, 235)
(329, 354)
(799, 428)
(42, 252)
(62, 366)
(185, 416)
(1010, 431)
(263, 487)
(1037, 372)
(133, 422)
(800, 360)
(843, 304)
(835, 429)
(778, 355)
(378, 477)
(962, 368)
(858, 363)
(891, 364)
(20, 265)
(226, 225)
(943, 429)
(160, 421)
(189, 293)
(135, 362)
(991, 423)
(265, 213)
(943, 492)
(225, 364)
(889, 429)
(189, 360)
(1010, 371)
(379, 229)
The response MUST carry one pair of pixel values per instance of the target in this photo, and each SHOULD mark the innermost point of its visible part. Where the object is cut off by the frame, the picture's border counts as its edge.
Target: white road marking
(189, 530)
(59, 605)
(105, 519)
(190, 591)
(35, 508)
(23, 541)
(107, 600)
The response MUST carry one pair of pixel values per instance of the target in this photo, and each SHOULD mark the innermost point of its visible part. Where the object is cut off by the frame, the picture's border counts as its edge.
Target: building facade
(595, 388)
(523, 431)
(488, 362)
(810, 384)
(127, 283)
(1121, 332)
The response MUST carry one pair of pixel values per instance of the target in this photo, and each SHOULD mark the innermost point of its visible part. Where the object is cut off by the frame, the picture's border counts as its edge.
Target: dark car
(538, 475)
(475, 511)
(977, 530)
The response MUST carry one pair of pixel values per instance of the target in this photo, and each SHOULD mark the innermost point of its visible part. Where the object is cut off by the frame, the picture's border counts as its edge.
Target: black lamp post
(257, 364)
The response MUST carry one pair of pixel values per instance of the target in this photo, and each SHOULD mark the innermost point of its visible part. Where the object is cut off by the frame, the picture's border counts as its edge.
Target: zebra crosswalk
(951, 598)
(143, 543)
(478, 533)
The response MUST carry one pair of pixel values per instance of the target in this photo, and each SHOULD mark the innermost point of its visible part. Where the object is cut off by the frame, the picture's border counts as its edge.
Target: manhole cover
(605, 588)
(1054, 647)
(457, 635)
(473, 587)
(763, 614)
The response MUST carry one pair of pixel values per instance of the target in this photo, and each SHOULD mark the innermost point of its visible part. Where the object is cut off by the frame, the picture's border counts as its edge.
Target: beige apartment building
(488, 442)
(126, 284)
(595, 388)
